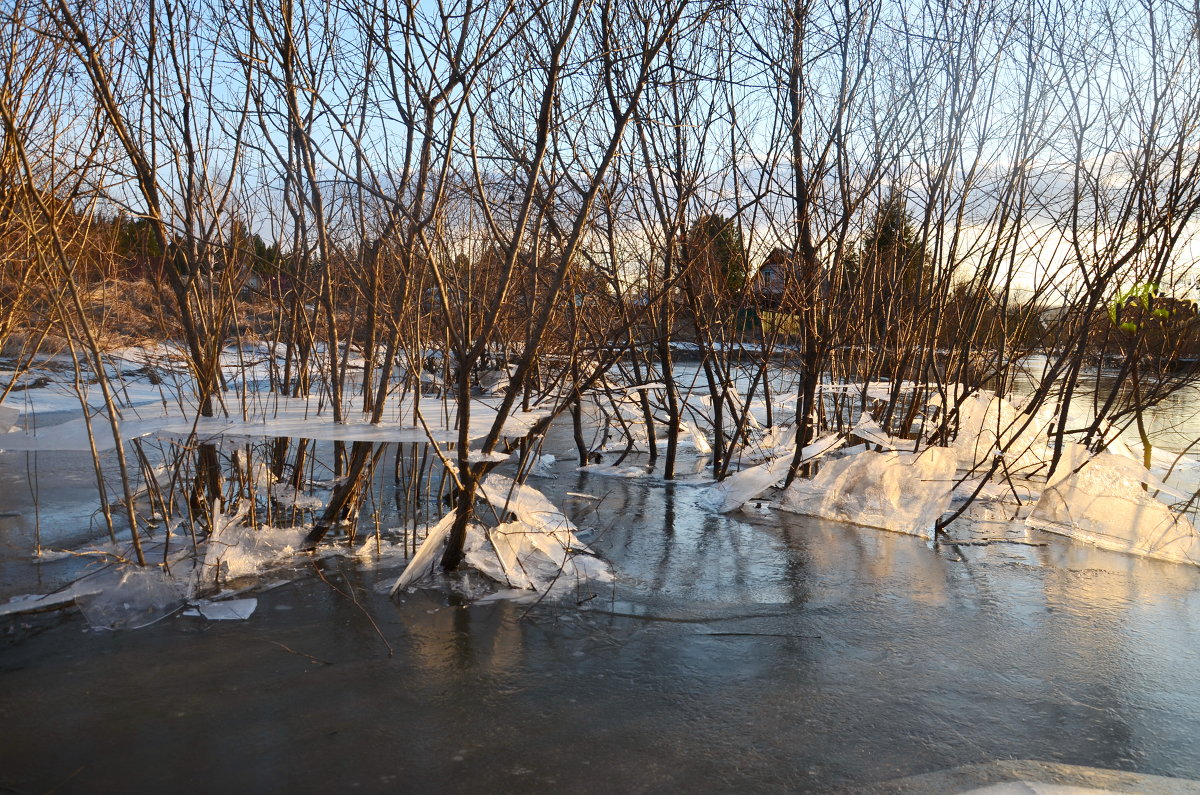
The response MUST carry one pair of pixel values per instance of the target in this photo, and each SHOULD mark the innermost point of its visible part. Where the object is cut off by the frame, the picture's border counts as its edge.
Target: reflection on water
(748, 651)
(735, 652)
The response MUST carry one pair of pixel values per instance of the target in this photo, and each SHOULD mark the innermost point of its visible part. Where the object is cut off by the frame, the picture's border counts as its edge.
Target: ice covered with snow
(1105, 501)
(903, 492)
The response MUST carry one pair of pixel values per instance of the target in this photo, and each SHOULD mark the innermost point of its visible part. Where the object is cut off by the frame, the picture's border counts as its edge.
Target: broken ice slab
(38, 603)
(538, 549)
(869, 430)
(1075, 456)
(543, 467)
(777, 439)
(902, 492)
(428, 554)
(226, 610)
(988, 424)
(689, 433)
(741, 487)
(132, 598)
(8, 418)
(1103, 501)
(234, 549)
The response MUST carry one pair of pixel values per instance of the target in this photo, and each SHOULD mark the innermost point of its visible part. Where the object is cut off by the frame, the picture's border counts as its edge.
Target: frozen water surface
(733, 652)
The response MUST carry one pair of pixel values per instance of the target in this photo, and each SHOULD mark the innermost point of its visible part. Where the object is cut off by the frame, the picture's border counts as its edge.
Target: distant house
(778, 275)
(780, 280)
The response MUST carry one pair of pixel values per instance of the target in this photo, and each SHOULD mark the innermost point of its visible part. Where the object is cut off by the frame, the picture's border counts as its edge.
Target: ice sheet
(272, 416)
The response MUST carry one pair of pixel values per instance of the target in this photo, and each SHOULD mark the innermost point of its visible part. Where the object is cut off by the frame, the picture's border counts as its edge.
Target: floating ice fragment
(1104, 503)
(902, 492)
(227, 610)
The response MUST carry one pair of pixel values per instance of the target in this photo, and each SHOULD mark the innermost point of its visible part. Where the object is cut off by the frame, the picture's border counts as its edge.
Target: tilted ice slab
(1108, 500)
(903, 492)
(741, 487)
(988, 424)
(536, 549)
(869, 430)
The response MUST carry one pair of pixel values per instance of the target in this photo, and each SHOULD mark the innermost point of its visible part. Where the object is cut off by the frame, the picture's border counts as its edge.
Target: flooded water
(735, 653)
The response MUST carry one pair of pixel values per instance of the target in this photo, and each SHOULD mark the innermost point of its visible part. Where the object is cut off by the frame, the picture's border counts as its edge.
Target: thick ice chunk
(903, 492)
(1104, 503)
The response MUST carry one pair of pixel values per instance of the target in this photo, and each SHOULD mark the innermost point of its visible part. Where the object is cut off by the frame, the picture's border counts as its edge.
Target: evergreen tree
(715, 248)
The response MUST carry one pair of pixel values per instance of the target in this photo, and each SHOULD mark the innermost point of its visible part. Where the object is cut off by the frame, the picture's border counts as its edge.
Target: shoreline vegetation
(902, 268)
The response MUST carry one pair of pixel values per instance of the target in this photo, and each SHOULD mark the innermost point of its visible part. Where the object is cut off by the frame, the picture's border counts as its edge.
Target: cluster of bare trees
(565, 191)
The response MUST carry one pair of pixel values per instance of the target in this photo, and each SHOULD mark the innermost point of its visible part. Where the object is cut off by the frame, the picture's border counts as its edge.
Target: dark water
(734, 654)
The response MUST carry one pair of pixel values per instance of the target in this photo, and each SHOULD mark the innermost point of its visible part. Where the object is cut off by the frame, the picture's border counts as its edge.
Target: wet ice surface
(735, 652)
